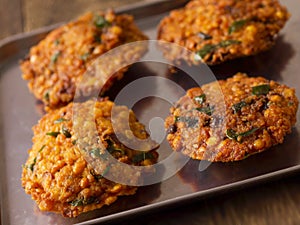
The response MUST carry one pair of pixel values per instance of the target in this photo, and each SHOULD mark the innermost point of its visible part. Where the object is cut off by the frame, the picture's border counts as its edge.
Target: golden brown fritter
(57, 63)
(228, 120)
(56, 173)
(221, 30)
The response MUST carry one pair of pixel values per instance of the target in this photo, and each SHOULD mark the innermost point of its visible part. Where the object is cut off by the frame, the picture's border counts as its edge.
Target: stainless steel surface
(19, 113)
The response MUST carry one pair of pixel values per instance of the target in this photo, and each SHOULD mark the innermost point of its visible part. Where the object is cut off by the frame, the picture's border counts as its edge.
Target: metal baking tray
(19, 112)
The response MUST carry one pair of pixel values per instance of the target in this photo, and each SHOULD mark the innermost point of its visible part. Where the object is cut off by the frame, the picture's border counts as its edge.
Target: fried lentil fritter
(228, 120)
(56, 173)
(221, 30)
(57, 63)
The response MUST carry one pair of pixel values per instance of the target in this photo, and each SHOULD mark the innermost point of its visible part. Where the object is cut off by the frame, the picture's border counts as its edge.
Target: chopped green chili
(262, 89)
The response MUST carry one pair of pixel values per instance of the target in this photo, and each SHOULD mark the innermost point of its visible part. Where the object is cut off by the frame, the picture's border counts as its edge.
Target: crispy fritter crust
(221, 30)
(56, 174)
(231, 119)
(56, 64)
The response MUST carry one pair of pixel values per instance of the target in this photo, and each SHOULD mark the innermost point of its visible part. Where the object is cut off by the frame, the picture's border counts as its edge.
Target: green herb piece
(96, 176)
(77, 202)
(56, 42)
(191, 122)
(227, 43)
(200, 99)
(60, 120)
(261, 89)
(236, 25)
(55, 56)
(41, 149)
(74, 142)
(112, 149)
(31, 166)
(106, 171)
(249, 132)
(204, 36)
(231, 134)
(100, 176)
(53, 133)
(66, 132)
(95, 153)
(238, 106)
(101, 22)
(141, 157)
(81, 201)
(85, 56)
(209, 48)
(207, 110)
(97, 38)
(91, 200)
(46, 96)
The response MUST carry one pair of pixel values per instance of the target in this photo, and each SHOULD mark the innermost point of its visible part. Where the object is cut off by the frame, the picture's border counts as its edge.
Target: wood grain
(39, 13)
(272, 203)
(10, 17)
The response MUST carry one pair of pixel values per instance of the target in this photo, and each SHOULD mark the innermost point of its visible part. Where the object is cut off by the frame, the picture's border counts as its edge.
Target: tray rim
(269, 176)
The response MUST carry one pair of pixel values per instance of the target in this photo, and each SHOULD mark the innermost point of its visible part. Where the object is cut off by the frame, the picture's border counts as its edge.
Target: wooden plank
(39, 13)
(10, 17)
(275, 203)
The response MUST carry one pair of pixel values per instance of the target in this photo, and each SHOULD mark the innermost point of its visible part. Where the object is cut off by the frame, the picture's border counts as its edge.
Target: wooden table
(275, 202)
